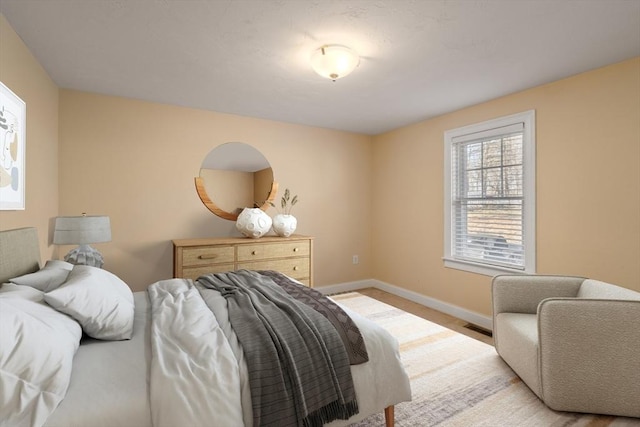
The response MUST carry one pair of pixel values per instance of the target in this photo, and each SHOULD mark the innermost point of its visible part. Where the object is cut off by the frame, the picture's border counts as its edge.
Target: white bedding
(37, 345)
(109, 382)
(195, 377)
(198, 373)
(187, 368)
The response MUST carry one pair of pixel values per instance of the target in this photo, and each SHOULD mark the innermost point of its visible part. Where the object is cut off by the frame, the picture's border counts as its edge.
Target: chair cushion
(517, 344)
(600, 290)
(589, 355)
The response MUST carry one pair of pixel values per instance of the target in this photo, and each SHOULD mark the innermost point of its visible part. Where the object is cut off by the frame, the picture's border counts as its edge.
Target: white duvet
(198, 375)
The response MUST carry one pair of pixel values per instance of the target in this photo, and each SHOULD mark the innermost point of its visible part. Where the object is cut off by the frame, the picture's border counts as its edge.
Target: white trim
(529, 176)
(490, 124)
(346, 287)
(457, 136)
(484, 269)
(453, 310)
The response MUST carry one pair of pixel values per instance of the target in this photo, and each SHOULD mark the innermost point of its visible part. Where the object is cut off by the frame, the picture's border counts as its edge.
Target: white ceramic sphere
(253, 222)
(284, 225)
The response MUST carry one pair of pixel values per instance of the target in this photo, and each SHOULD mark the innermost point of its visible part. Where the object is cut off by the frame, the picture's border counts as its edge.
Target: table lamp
(82, 230)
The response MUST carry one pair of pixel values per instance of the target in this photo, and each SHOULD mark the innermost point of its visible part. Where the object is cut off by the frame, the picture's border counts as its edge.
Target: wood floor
(429, 314)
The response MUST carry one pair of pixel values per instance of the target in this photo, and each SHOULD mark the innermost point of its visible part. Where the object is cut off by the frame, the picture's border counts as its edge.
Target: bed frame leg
(389, 417)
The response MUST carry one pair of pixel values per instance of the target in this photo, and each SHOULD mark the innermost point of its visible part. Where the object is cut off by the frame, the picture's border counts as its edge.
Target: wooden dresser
(292, 256)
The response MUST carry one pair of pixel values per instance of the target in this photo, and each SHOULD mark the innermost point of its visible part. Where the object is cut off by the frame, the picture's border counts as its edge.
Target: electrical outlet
(355, 259)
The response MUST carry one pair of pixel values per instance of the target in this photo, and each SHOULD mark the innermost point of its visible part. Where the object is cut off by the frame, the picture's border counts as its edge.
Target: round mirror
(234, 176)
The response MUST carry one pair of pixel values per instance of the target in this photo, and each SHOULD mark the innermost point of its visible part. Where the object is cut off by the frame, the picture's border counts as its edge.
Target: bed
(134, 378)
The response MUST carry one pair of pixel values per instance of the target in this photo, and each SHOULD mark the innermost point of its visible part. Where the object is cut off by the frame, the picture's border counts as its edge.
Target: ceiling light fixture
(334, 61)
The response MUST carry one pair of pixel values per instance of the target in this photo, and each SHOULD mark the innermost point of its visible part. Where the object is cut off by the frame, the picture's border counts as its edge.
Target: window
(490, 196)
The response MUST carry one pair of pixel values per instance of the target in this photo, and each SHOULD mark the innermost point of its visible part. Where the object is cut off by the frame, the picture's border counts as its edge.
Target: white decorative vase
(253, 222)
(284, 225)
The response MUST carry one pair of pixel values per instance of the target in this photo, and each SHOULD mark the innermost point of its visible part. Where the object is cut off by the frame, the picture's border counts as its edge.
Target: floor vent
(478, 329)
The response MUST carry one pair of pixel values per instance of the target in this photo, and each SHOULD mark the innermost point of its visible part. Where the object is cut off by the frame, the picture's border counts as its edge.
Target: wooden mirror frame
(206, 200)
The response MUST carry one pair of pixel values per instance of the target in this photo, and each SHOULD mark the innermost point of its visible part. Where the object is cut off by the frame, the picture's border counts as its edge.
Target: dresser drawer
(298, 268)
(292, 256)
(195, 272)
(275, 250)
(205, 255)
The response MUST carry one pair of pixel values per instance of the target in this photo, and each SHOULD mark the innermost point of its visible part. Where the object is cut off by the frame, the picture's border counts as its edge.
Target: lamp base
(85, 255)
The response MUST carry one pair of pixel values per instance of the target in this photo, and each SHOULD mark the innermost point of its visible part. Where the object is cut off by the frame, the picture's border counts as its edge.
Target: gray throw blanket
(299, 371)
(349, 332)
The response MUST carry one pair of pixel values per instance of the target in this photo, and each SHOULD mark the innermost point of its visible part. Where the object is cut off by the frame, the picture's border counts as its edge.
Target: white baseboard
(347, 286)
(453, 310)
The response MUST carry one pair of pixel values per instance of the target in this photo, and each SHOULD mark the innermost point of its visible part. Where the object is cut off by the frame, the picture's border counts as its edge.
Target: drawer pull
(207, 256)
(254, 252)
(295, 268)
(295, 249)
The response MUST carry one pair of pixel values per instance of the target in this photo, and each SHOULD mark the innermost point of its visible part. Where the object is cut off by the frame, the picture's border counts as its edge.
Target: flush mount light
(334, 61)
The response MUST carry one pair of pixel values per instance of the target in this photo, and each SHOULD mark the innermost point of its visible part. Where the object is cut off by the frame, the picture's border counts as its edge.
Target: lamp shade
(81, 230)
(334, 61)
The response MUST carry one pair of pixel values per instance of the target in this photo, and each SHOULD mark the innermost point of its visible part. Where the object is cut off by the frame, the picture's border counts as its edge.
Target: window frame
(529, 194)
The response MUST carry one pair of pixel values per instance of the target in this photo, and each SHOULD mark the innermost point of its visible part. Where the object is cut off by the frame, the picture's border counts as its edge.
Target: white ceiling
(420, 58)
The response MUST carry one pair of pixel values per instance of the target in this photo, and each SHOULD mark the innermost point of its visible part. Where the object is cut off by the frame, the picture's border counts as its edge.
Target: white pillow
(52, 275)
(11, 290)
(37, 345)
(98, 300)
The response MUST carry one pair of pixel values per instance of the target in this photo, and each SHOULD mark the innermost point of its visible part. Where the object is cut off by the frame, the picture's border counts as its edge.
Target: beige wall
(21, 73)
(135, 161)
(588, 188)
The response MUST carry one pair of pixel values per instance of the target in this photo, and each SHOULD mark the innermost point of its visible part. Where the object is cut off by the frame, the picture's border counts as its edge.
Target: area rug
(459, 381)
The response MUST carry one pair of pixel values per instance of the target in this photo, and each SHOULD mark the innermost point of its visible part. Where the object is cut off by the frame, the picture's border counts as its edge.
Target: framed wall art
(13, 126)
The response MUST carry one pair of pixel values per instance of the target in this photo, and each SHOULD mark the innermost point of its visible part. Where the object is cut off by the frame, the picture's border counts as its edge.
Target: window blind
(487, 197)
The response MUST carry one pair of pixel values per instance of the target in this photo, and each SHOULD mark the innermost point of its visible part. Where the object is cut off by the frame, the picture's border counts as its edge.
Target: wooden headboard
(19, 252)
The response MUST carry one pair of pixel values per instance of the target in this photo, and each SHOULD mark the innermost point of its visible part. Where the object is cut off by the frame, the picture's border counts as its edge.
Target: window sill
(487, 270)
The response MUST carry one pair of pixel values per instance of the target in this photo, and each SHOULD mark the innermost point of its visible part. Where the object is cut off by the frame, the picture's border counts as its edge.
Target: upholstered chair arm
(589, 349)
(522, 293)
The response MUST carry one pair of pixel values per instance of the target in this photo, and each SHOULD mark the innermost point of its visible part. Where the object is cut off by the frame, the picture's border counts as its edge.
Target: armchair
(574, 341)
